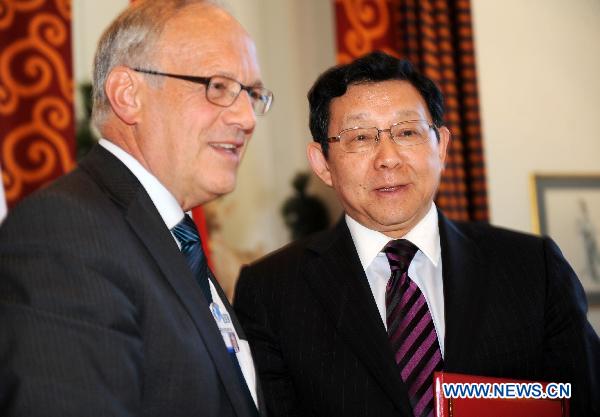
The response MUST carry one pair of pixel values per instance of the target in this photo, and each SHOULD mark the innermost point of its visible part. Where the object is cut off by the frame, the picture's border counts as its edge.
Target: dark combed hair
(372, 68)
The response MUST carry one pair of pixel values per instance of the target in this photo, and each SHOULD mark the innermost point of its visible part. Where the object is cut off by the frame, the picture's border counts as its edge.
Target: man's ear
(318, 163)
(443, 144)
(122, 89)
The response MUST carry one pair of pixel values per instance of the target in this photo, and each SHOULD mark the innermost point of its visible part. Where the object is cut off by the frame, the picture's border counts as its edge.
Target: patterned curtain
(437, 37)
(37, 134)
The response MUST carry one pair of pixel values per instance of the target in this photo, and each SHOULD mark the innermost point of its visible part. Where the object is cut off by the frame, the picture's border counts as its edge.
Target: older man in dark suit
(107, 305)
(354, 321)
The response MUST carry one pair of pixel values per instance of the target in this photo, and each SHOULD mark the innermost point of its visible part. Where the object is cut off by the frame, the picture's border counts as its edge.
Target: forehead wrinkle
(211, 71)
(357, 117)
(408, 114)
(398, 116)
(211, 65)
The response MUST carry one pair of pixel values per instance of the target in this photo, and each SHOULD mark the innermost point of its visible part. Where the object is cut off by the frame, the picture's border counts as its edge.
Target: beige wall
(90, 18)
(295, 43)
(538, 67)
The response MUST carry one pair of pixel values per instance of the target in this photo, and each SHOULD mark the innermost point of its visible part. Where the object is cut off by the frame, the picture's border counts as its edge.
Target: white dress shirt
(425, 269)
(171, 213)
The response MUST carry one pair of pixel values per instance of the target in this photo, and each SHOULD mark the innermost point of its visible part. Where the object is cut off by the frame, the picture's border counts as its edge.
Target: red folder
(493, 407)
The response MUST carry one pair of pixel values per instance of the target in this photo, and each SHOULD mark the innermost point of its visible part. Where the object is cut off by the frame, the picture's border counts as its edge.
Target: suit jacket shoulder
(513, 308)
(488, 235)
(99, 309)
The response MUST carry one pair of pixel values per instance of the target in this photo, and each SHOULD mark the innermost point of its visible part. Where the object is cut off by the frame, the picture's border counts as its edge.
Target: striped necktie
(188, 237)
(411, 331)
(191, 246)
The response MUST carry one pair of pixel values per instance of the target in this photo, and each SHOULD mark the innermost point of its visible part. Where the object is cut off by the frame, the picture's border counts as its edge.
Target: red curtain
(437, 37)
(37, 134)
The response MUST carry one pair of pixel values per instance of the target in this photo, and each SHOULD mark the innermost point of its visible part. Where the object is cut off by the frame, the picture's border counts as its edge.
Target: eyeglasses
(223, 91)
(363, 139)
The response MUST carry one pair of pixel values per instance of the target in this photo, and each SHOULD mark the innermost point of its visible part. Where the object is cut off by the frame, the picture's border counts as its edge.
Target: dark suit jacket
(99, 313)
(513, 308)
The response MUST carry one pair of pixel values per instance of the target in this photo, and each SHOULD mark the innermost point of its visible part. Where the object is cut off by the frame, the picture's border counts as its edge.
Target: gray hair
(129, 41)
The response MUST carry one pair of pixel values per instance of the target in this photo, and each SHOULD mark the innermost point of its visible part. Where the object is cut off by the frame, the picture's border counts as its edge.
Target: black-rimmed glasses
(223, 91)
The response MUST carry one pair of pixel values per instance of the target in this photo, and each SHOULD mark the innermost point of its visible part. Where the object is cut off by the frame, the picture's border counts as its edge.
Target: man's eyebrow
(256, 83)
(356, 117)
(410, 113)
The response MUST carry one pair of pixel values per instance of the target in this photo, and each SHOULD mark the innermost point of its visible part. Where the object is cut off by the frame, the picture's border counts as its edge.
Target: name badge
(226, 328)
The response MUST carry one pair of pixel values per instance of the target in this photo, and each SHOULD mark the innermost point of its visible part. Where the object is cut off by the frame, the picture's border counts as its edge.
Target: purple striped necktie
(411, 331)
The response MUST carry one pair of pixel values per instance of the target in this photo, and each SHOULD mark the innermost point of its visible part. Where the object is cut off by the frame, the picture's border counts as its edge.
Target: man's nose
(387, 152)
(241, 112)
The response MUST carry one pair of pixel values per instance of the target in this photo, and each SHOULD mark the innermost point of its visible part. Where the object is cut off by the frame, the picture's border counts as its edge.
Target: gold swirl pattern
(64, 8)
(46, 32)
(363, 26)
(49, 115)
(369, 21)
(36, 94)
(8, 8)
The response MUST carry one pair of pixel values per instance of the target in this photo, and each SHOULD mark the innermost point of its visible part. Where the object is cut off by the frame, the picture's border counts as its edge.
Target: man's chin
(208, 195)
(396, 225)
(223, 189)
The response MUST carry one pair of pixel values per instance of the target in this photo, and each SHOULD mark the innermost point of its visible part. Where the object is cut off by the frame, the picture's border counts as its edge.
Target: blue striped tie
(191, 246)
(411, 331)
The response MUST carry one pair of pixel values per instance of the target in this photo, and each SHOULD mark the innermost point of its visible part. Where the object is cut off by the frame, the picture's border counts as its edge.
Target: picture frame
(566, 207)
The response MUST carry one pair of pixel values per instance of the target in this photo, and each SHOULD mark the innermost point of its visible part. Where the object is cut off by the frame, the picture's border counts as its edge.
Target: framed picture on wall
(567, 208)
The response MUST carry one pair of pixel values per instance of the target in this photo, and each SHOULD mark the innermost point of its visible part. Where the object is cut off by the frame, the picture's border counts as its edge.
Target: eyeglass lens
(407, 133)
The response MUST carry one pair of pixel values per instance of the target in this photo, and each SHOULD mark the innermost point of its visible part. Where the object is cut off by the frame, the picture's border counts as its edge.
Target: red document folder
(493, 407)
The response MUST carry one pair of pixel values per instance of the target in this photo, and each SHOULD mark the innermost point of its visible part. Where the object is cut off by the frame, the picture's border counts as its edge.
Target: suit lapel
(463, 292)
(240, 332)
(236, 324)
(145, 221)
(339, 282)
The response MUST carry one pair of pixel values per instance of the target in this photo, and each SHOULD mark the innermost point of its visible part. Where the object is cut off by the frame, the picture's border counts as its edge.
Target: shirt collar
(166, 204)
(425, 235)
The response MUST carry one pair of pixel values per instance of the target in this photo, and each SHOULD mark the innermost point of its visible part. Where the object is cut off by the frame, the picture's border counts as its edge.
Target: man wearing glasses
(107, 305)
(354, 321)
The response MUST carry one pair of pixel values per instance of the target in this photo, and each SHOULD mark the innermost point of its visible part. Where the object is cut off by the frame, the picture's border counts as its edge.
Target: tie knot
(185, 231)
(400, 253)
